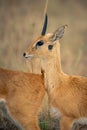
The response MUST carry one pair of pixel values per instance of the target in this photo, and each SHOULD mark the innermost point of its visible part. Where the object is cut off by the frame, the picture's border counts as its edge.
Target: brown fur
(24, 93)
(67, 93)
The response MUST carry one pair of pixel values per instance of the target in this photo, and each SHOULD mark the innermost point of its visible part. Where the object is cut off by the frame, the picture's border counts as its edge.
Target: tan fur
(68, 93)
(34, 66)
(24, 93)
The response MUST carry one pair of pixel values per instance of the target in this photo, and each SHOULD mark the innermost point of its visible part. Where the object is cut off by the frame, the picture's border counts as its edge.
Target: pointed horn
(45, 25)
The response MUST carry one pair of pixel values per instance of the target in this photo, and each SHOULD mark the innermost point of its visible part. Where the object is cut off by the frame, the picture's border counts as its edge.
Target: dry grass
(21, 21)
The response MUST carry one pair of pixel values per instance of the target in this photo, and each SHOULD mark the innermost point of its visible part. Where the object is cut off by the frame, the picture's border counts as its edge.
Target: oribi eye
(39, 43)
(50, 47)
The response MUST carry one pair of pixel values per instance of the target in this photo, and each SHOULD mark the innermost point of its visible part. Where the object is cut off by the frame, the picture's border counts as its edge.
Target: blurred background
(21, 22)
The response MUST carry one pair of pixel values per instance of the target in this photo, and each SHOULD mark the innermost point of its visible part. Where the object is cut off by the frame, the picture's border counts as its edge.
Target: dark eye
(50, 47)
(39, 43)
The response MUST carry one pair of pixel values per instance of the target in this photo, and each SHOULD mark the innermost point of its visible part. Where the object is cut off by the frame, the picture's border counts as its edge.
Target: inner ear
(58, 34)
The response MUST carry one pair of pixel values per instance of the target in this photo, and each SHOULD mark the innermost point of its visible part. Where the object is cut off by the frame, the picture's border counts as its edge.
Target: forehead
(45, 39)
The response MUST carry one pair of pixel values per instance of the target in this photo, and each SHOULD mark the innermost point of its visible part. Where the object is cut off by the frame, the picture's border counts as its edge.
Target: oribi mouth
(27, 56)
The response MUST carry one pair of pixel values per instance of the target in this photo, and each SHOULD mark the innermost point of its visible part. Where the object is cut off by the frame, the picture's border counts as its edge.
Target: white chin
(29, 56)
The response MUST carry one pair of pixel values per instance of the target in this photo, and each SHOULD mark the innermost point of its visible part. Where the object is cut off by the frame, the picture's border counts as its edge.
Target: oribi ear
(58, 34)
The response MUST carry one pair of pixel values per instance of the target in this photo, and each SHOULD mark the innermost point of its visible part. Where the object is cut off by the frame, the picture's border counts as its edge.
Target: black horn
(45, 25)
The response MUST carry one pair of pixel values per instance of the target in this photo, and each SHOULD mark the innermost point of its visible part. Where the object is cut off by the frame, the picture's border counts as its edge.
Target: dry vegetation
(21, 22)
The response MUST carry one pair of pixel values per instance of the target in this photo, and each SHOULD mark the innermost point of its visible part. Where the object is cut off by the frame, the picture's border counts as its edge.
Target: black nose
(24, 54)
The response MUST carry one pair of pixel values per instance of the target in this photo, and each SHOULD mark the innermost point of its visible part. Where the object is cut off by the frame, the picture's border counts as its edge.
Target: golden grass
(21, 22)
